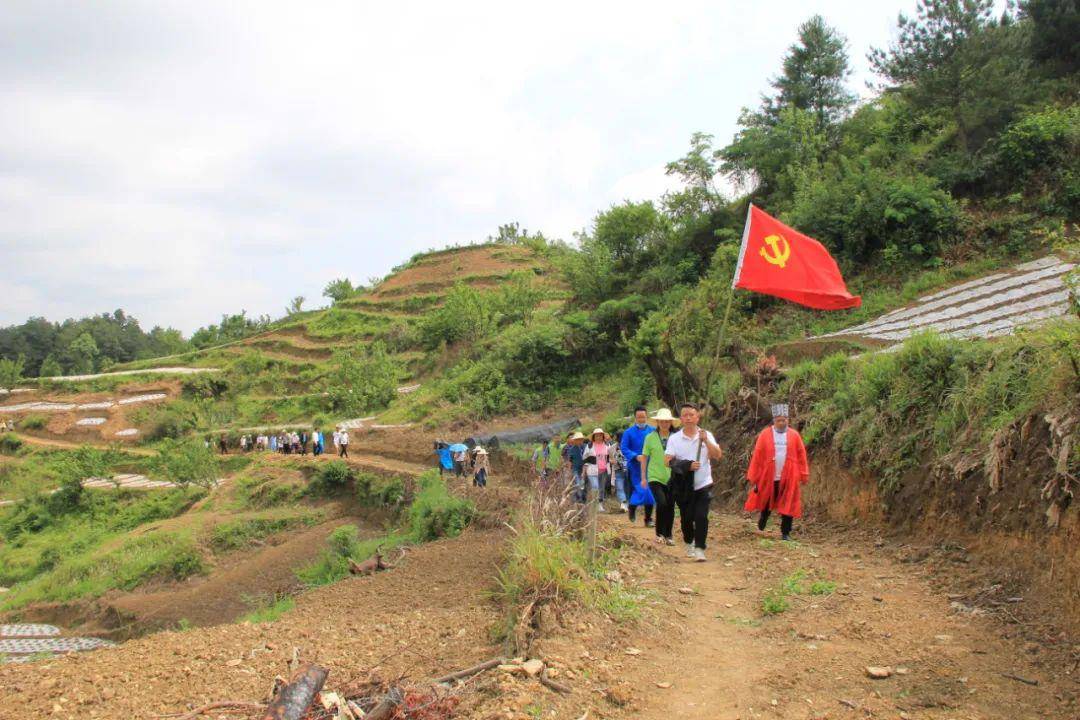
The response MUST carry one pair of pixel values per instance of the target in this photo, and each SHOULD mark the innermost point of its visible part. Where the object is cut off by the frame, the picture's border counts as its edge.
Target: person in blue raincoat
(633, 440)
(446, 458)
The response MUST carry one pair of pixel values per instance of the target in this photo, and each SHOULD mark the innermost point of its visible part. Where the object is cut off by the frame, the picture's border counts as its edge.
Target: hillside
(933, 571)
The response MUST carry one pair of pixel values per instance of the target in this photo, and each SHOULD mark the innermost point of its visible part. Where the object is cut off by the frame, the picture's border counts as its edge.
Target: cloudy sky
(185, 159)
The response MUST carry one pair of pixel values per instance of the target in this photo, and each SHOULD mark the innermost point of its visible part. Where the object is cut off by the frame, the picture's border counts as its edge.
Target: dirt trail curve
(723, 659)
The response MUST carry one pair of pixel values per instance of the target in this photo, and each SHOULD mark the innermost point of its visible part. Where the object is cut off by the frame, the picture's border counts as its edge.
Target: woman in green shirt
(658, 474)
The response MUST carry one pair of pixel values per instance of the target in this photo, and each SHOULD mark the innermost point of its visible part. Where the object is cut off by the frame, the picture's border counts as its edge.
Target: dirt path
(71, 445)
(724, 658)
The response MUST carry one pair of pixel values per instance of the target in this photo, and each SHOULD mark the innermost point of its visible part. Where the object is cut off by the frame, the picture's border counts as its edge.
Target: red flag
(777, 260)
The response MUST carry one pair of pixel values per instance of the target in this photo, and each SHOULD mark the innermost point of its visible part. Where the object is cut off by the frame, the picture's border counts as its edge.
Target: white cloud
(185, 159)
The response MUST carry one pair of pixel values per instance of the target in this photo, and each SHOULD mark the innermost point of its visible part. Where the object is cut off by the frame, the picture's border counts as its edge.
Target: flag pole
(727, 308)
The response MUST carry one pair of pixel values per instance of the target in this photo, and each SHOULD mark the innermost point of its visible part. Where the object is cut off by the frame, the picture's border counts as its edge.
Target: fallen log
(1018, 678)
(470, 671)
(556, 686)
(295, 698)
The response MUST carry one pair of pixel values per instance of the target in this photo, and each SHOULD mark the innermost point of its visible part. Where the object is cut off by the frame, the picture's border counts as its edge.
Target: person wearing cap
(576, 455)
(633, 442)
(778, 469)
(596, 455)
(480, 467)
(658, 474)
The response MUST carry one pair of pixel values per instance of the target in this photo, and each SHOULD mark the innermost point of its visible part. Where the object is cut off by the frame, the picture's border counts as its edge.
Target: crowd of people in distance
(462, 460)
(663, 463)
(287, 442)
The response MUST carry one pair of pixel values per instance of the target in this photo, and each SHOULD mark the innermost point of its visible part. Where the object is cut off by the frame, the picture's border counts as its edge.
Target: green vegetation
(34, 422)
(547, 565)
(134, 561)
(270, 611)
(777, 600)
(248, 531)
(434, 513)
(885, 411)
(345, 544)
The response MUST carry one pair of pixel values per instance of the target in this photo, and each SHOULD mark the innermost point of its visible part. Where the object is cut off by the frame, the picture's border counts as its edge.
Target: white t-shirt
(344, 439)
(681, 447)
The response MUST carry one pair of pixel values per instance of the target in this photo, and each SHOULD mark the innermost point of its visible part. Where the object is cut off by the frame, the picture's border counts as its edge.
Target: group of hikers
(667, 464)
(289, 442)
(462, 460)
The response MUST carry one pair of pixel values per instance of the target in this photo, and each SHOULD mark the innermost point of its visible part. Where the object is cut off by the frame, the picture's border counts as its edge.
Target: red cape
(761, 471)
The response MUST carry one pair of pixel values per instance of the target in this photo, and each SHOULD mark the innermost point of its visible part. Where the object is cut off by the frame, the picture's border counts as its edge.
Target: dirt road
(723, 657)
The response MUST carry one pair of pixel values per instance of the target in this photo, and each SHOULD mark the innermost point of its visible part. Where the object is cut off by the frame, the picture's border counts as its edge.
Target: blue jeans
(622, 486)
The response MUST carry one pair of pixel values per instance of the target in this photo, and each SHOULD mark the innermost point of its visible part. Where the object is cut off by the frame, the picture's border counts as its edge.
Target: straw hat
(481, 451)
(664, 414)
(577, 436)
(597, 431)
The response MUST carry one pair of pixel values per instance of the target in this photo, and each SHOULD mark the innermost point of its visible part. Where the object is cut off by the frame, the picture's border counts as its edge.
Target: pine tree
(814, 75)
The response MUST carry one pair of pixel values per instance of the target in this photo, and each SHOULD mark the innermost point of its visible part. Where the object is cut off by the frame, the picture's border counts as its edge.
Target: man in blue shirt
(633, 440)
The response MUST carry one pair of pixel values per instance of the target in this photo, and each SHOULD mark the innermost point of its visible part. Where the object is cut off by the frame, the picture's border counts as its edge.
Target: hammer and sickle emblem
(777, 256)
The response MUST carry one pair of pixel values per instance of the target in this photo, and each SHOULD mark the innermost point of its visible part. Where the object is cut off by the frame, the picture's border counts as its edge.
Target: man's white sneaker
(690, 550)
(623, 507)
(699, 555)
(669, 541)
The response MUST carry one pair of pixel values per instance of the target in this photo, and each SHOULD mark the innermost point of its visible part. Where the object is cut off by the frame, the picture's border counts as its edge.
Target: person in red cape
(778, 469)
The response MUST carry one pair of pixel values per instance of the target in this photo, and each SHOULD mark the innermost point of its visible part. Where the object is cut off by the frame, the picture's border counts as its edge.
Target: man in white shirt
(343, 443)
(694, 449)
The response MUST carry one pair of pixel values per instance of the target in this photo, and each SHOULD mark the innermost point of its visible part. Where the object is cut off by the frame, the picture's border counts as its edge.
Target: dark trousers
(665, 509)
(694, 517)
(344, 450)
(785, 522)
(648, 513)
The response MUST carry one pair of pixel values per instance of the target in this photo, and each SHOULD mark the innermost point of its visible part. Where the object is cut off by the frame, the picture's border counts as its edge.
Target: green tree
(186, 462)
(83, 353)
(1055, 29)
(362, 378)
(11, 372)
(773, 156)
(948, 57)
(50, 367)
(338, 290)
(295, 306)
(814, 73)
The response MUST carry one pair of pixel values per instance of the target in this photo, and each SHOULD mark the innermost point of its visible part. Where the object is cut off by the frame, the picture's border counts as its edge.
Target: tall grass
(887, 411)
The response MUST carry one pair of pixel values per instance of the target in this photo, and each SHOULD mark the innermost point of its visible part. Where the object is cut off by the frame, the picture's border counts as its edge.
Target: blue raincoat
(633, 440)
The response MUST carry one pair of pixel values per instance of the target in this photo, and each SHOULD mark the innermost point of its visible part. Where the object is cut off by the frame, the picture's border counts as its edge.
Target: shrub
(237, 534)
(375, 491)
(34, 422)
(1041, 152)
(187, 462)
(860, 212)
(362, 378)
(435, 513)
(9, 444)
(331, 477)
